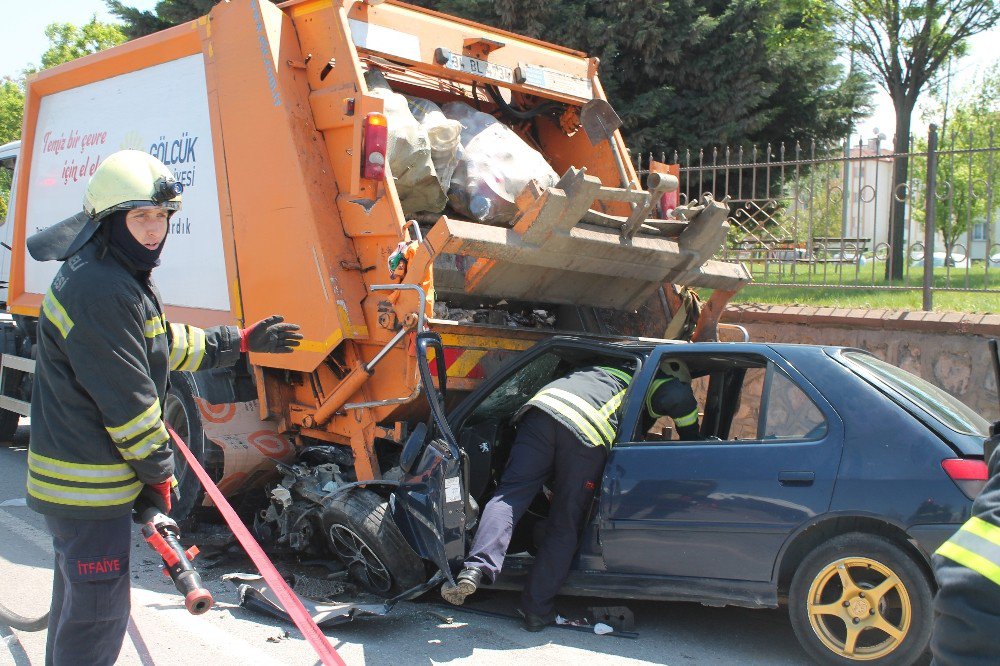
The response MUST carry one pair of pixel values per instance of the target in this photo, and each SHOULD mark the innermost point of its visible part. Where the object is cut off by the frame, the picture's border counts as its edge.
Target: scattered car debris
(606, 630)
(619, 617)
(256, 595)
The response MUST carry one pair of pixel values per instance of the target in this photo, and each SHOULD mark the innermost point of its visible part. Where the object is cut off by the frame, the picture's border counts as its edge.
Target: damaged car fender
(429, 507)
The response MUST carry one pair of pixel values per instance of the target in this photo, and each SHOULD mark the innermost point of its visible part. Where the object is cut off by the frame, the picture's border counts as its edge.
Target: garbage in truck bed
(456, 155)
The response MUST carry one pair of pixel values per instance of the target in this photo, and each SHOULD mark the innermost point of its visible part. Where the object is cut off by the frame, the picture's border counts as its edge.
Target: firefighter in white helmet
(105, 351)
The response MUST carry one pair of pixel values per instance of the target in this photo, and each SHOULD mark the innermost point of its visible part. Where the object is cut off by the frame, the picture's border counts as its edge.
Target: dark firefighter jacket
(967, 567)
(105, 351)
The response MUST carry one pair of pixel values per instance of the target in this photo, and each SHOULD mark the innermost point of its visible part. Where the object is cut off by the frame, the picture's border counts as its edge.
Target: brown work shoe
(466, 583)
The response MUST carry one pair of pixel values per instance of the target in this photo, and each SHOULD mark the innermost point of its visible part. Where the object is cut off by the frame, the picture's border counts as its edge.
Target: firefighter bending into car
(565, 430)
(967, 568)
(105, 351)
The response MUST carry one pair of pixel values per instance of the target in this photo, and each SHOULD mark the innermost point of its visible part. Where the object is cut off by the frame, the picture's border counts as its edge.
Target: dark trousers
(90, 591)
(542, 445)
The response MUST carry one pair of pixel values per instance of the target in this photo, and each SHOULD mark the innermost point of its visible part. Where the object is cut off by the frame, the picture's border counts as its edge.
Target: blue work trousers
(90, 591)
(543, 446)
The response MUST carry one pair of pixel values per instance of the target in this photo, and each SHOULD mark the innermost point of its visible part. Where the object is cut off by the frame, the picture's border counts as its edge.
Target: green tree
(138, 23)
(694, 73)
(69, 42)
(967, 177)
(903, 45)
(11, 112)
(66, 42)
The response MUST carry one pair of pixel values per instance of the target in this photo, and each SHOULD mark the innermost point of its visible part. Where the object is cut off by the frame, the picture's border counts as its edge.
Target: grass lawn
(852, 286)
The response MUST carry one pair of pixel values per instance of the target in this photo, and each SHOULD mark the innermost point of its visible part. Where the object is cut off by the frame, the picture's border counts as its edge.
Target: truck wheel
(11, 385)
(359, 530)
(181, 413)
(860, 598)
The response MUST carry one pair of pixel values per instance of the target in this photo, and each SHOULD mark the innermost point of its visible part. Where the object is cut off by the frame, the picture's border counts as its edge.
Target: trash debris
(277, 639)
(496, 315)
(600, 629)
(409, 152)
(619, 617)
(256, 595)
(447, 619)
(494, 167)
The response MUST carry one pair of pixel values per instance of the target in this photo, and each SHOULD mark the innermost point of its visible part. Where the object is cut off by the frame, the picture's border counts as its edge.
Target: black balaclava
(124, 242)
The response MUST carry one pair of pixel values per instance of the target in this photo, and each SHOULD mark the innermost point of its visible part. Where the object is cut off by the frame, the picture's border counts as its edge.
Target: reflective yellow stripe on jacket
(79, 484)
(976, 546)
(155, 326)
(187, 349)
(56, 313)
(140, 436)
(595, 424)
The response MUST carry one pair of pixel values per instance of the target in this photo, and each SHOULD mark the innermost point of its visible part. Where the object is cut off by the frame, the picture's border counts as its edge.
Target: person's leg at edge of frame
(530, 464)
(93, 561)
(577, 476)
(55, 609)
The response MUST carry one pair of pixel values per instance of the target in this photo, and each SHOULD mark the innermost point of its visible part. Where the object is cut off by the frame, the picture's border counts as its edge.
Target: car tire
(359, 529)
(861, 598)
(180, 412)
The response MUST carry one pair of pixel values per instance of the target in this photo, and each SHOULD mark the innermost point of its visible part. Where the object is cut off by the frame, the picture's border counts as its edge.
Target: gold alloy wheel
(859, 608)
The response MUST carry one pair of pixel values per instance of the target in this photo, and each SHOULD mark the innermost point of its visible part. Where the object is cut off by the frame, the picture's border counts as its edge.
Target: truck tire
(360, 531)
(12, 380)
(861, 598)
(180, 412)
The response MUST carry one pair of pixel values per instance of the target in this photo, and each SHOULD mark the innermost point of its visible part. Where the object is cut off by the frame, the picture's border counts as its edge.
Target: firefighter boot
(466, 583)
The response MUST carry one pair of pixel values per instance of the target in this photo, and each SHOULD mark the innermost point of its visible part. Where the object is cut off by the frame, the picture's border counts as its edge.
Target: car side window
(746, 421)
(790, 414)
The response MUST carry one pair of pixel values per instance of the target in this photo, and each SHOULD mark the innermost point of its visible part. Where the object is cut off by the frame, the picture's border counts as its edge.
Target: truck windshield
(947, 409)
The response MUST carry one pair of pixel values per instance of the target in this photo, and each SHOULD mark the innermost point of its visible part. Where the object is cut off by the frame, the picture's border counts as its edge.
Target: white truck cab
(8, 158)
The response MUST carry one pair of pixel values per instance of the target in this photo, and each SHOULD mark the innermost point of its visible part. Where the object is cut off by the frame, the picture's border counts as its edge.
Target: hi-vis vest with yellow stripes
(975, 546)
(587, 402)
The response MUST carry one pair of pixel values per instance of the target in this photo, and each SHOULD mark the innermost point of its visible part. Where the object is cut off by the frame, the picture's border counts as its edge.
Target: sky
(22, 42)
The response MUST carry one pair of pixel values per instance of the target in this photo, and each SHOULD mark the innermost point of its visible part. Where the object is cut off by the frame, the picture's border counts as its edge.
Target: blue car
(824, 480)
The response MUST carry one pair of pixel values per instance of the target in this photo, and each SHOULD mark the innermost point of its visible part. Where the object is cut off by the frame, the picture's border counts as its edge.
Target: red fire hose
(288, 599)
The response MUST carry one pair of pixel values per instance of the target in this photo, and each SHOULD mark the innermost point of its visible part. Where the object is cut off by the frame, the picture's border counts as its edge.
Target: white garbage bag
(494, 167)
(408, 152)
(444, 135)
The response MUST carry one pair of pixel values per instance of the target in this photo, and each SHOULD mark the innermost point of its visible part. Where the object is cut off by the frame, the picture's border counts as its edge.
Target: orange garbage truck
(396, 181)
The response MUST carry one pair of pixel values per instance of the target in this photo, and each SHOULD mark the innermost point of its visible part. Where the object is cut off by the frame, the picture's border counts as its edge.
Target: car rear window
(949, 410)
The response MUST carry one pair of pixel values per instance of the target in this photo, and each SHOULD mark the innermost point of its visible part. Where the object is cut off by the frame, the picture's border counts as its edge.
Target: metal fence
(816, 216)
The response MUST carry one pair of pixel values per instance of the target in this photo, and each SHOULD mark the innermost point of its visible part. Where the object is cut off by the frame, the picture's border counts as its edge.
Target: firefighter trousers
(90, 591)
(542, 447)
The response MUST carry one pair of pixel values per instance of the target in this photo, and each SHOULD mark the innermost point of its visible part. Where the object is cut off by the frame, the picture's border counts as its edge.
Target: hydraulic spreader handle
(162, 533)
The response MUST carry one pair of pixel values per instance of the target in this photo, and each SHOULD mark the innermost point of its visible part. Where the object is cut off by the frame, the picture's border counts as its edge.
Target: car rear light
(376, 137)
(968, 474)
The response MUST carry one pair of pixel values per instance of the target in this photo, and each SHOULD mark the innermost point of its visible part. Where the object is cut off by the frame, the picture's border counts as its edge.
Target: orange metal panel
(290, 243)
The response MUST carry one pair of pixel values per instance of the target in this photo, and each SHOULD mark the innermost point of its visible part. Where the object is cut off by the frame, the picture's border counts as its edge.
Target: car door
(721, 508)
(442, 472)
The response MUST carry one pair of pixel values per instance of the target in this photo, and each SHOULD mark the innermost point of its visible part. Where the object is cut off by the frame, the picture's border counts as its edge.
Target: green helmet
(673, 367)
(130, 179)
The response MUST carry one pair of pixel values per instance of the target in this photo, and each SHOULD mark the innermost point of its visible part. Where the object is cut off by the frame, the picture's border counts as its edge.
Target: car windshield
(946, 408)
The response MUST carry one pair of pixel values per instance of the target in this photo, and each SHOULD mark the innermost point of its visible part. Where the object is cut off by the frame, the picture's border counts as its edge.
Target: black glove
(270, 336)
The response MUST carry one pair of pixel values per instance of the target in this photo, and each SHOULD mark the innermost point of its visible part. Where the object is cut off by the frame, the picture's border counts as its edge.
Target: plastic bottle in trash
(480, 207)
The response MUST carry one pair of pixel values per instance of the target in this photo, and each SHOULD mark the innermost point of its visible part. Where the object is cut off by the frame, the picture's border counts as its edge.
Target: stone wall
(948, 349)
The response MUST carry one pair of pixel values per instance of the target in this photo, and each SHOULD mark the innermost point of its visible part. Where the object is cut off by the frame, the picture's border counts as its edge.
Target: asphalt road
(162, 632)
